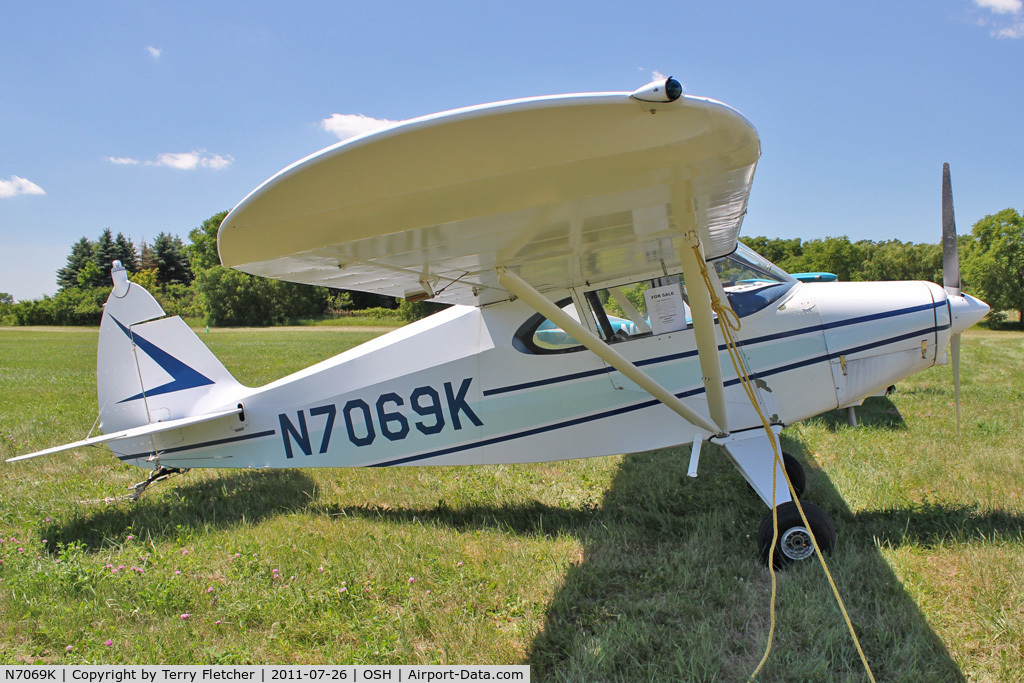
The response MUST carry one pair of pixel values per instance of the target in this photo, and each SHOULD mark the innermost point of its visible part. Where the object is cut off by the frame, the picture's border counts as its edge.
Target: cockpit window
(751, 281)
(540, 335)
(644, 309)
(641, 309)
(746, 266)
(619, 314)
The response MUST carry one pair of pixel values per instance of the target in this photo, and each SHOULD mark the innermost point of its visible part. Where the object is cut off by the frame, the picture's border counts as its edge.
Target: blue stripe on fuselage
(205, 444)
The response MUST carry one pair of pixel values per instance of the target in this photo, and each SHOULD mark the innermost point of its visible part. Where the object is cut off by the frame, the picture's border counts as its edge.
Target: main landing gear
(795, 471)
(794, 542)
(754, 456)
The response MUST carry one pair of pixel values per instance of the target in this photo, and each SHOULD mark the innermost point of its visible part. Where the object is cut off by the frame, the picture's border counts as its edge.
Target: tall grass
(617, 568)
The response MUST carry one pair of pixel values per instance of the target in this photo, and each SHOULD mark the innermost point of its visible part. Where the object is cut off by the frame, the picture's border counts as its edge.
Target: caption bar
(263, 674)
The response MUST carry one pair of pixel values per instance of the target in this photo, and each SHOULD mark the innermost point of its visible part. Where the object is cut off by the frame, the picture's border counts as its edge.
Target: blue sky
(151, 116)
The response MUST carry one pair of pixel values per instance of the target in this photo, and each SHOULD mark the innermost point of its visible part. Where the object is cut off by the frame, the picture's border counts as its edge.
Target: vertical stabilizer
(151, 368)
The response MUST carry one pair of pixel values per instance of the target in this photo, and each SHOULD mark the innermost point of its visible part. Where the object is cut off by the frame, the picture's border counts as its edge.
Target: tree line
(991, 260)
(188, 280)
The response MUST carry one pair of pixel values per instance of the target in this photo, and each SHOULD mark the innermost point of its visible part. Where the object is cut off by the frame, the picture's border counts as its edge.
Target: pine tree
(81, 253)
(171, 260)
(126, 253)
(147, 260)
(105, 252)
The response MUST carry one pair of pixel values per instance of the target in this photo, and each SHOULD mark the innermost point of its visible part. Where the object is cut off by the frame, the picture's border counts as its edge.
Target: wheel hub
(796, 543)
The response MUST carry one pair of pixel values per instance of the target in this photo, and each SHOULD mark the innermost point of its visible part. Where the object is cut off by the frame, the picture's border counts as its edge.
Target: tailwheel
(158, 474)
(794, 542)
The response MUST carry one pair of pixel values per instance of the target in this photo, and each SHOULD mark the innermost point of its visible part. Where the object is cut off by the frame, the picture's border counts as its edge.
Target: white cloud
(350, 125)
(154, 52)
(1013, 31)
(658, 76)
(216, 161)
(18, 185)
(1003, 27)
(184, 161)
(1001, 6)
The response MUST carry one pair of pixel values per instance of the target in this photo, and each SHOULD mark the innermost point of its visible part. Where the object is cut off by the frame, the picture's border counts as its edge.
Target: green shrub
(71, 306)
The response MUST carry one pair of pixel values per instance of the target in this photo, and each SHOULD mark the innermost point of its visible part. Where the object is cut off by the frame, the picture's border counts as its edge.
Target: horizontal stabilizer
(144, 430)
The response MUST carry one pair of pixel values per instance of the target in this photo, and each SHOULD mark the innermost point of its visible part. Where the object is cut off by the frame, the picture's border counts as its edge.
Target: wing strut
(549, 310)
(698, 290)
(704, 331)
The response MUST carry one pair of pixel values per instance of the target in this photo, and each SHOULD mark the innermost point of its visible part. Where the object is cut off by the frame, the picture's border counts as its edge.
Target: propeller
(951, 278)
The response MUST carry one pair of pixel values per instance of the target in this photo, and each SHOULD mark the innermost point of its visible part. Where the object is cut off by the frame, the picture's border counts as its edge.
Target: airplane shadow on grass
(670, 588)
(243, 496)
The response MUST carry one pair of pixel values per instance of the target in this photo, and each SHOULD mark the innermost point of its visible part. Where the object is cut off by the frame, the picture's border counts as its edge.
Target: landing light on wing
(663, 90)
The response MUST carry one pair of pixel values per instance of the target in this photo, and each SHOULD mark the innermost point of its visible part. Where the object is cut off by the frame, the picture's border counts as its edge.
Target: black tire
(795, 470)
(794, 543)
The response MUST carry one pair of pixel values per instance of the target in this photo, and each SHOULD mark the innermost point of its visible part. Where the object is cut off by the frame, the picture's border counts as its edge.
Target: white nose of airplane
(966, 310)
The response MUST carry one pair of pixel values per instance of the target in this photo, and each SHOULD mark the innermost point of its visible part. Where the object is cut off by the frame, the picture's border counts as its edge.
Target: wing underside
(563, 191)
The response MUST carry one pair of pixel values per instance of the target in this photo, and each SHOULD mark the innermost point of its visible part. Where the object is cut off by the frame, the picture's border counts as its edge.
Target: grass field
(605, 569)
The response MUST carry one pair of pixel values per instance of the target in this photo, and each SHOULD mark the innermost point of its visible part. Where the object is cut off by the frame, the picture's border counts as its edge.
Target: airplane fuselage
(456, 389)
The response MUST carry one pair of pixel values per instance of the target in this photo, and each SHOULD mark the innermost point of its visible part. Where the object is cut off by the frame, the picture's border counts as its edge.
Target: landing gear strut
(795, 471)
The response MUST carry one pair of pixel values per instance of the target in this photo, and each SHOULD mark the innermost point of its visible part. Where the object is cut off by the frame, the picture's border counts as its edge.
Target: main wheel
(794, 542)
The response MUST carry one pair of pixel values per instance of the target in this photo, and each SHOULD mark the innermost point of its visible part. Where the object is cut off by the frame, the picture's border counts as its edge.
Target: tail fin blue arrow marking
(184, 377)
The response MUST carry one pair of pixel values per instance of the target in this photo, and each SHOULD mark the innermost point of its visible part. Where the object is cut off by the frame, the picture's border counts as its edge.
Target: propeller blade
(951, 278)
(950, 251)
(954, 347)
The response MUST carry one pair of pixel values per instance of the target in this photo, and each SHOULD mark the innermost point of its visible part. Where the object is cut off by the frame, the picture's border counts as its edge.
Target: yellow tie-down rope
(729, 322)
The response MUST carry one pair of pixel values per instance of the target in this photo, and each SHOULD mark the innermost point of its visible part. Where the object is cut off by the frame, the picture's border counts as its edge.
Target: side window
(621, 313)
(540, 335)
(640, 309)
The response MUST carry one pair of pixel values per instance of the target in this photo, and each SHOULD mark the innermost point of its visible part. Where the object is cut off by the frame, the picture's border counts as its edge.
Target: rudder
(151, 368)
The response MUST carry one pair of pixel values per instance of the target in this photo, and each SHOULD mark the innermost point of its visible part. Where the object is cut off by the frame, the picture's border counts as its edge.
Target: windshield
(746, 266)
(750, 280)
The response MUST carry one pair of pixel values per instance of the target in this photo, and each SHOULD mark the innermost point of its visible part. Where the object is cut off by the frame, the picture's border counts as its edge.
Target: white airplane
(572, 234)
